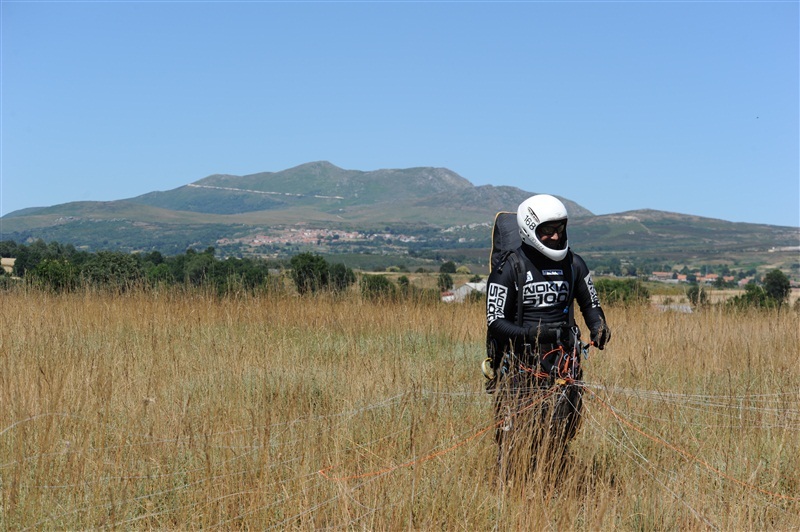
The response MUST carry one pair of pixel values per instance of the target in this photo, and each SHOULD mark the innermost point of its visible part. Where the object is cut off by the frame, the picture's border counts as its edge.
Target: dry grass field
(171, 410)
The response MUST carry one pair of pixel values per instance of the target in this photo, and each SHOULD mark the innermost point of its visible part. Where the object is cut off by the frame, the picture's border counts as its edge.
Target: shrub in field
(755, 296)
(198, 266)
(310, 272)
(476, 297)
(7, 281)
(340, 277)
(27, 257)
(773, 293)
(626, 291)
(113, 269)
(444, 281)
(377, 286)
(233, 274)
(59, 275)
(406, 290)
(448, 267)
(160, 274)
(697, 295)
(777, 286)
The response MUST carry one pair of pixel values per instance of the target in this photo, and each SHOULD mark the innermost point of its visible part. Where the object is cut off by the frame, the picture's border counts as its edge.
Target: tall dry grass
(174, 410)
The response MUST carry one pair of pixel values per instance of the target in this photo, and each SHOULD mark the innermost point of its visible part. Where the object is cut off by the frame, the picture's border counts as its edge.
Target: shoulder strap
(571, 262)
(516, 263)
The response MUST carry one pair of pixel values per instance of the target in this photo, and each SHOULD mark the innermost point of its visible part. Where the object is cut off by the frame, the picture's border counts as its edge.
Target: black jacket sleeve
(501, 305)
(586, 295)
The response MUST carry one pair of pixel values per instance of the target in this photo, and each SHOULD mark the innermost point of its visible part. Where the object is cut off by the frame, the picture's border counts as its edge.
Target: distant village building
(8, 264)
(664, 277)
(463, 292)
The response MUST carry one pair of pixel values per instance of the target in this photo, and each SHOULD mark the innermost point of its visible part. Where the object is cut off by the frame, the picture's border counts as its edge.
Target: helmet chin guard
(538, 210)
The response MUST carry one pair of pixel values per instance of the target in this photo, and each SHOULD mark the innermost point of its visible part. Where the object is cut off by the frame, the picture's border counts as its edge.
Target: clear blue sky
(683, 106)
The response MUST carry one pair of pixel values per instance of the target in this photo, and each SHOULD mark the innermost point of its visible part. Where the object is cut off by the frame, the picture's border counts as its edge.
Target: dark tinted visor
(551, 228)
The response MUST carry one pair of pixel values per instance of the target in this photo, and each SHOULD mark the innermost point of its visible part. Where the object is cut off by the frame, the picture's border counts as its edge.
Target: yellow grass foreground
(172, 410)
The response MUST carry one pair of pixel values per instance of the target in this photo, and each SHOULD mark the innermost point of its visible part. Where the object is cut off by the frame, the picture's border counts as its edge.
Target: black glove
(601, 336)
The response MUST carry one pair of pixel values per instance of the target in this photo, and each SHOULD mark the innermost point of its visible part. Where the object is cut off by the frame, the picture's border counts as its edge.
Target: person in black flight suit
(537, 354)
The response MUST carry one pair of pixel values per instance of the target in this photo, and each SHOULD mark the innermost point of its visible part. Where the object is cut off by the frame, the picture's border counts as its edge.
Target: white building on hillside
(463, 292)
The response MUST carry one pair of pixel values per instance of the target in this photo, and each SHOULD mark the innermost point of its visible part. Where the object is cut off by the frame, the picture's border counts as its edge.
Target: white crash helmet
(538, 210)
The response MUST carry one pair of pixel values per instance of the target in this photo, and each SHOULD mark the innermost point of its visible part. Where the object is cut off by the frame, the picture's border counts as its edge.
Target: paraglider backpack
(505, 242)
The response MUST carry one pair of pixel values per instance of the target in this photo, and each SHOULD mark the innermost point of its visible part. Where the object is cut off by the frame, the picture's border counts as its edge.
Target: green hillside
(415, 212)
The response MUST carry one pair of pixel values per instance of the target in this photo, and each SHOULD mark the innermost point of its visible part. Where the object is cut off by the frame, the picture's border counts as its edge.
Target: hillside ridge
(417, 211)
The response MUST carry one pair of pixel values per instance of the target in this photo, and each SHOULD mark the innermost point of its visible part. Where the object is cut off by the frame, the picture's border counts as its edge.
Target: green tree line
(64, 268)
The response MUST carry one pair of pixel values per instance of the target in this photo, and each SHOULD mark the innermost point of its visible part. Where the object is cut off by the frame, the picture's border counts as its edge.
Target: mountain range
(417, 212)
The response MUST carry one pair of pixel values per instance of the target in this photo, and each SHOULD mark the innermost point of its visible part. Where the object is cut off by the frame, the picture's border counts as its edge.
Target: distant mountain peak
(316, 166)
